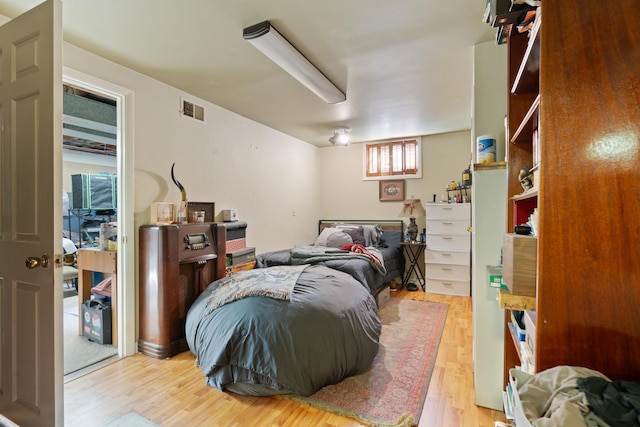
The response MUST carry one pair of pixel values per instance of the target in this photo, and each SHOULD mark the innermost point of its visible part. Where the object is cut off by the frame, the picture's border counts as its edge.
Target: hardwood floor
(173, 392)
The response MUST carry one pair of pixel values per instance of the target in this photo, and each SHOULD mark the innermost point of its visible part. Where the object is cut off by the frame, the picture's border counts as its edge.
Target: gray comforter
(327, 330)
(357, 265)
(314, 255)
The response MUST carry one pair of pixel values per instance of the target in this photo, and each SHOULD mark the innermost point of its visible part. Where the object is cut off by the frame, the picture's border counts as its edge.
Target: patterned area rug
(393, 391)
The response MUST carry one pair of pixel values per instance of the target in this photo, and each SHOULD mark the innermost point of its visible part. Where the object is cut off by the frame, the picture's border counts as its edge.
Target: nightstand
(412, 252)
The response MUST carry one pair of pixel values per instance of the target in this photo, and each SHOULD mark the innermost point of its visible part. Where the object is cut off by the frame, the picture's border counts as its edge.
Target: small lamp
(412, 208)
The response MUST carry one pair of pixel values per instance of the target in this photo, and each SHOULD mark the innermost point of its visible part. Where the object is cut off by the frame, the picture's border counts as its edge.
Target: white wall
(230, 160)
(344, 195)
(280, 185)
(489, 95)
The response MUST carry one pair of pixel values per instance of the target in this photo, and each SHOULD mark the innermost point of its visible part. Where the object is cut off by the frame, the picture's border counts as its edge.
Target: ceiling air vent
(192, 110)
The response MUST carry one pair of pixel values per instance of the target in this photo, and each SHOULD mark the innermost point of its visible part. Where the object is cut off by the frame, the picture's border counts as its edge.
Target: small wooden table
(413, 250)
(90, 260)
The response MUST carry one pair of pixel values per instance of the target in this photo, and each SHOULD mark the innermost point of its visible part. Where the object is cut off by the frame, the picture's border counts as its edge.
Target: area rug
(393, 391)
(132, 420)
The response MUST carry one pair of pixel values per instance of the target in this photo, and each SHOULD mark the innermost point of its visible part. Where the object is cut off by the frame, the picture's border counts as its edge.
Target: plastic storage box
(512, 404)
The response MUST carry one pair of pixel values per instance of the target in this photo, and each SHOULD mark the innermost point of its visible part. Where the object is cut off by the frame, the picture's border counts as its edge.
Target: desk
(90, 260)
(412, 252)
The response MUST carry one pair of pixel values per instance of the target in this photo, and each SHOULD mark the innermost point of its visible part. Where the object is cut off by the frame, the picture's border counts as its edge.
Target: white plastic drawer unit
(455, 256)
(447, 256)
(448, 287)
(449, 241)
(448, 226)
(448, 211)
(448, 272)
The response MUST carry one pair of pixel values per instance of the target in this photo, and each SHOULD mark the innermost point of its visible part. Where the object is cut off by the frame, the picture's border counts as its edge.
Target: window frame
(390, 143)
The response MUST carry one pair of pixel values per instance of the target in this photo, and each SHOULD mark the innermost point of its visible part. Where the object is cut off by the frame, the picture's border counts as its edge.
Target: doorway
(125, 254)
(89, 178)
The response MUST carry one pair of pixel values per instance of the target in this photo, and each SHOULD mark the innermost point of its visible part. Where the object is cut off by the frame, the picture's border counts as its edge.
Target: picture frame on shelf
(207, 207)
(391, 190)
(162, 213)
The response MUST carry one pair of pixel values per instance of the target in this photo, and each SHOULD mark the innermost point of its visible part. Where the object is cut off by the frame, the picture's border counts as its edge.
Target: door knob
(33, 262)
(69, 259)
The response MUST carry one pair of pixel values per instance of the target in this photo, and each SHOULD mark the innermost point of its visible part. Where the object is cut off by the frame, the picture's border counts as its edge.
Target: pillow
(372, 233)
(357, 235)
(391, 239)
(339, 239)
(333, 238)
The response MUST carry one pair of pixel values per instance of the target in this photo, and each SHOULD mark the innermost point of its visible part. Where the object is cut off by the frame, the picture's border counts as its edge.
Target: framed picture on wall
(391, 190)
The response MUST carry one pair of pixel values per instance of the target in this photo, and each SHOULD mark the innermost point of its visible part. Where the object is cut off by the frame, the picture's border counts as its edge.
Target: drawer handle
(447, 283)
(448, 238)
(447, 254)
(447, 269)
(447, 223)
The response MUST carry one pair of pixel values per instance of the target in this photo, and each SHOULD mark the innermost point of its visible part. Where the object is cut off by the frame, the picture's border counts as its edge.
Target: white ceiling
(405, 65)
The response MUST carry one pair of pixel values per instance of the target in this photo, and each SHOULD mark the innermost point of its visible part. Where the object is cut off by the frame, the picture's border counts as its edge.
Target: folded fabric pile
(617, 403)
(570, 396)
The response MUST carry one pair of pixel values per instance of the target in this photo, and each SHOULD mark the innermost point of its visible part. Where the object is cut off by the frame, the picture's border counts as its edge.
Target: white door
(31, 380)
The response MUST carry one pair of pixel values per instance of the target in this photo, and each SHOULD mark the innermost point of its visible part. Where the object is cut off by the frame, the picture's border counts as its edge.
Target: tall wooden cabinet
(177, 262)
(579, 84)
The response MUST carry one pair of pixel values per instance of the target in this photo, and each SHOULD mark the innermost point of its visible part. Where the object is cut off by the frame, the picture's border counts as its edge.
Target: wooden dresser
(177, 262)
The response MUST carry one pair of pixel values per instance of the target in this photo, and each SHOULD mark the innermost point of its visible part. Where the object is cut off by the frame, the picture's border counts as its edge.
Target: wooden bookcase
(577, 81)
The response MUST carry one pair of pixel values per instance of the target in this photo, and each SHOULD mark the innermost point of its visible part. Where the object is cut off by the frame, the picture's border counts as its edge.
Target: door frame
(125, 288)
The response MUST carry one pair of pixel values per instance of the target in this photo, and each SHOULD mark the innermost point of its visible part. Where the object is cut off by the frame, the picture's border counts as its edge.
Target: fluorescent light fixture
(273, 45)
(341, 136)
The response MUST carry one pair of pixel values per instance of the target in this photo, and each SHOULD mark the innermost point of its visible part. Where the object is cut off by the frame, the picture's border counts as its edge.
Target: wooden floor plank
(173, 392)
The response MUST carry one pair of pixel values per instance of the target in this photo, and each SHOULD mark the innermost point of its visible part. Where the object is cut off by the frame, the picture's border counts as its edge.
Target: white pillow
(372, 233)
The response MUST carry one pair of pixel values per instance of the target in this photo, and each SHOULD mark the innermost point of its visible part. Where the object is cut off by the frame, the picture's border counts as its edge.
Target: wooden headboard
(387, 225)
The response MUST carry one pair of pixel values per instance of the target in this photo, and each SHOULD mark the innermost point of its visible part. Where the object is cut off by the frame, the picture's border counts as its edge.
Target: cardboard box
(229, 215)
(239, 267)
(519, 263)
(235, 245)
(96, 321)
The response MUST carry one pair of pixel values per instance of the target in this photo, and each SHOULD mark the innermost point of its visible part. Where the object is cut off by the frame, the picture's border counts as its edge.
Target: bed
(304, 318)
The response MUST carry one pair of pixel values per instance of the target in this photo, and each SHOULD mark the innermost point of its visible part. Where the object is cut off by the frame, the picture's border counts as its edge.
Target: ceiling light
(341, 136)
(271, 43)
